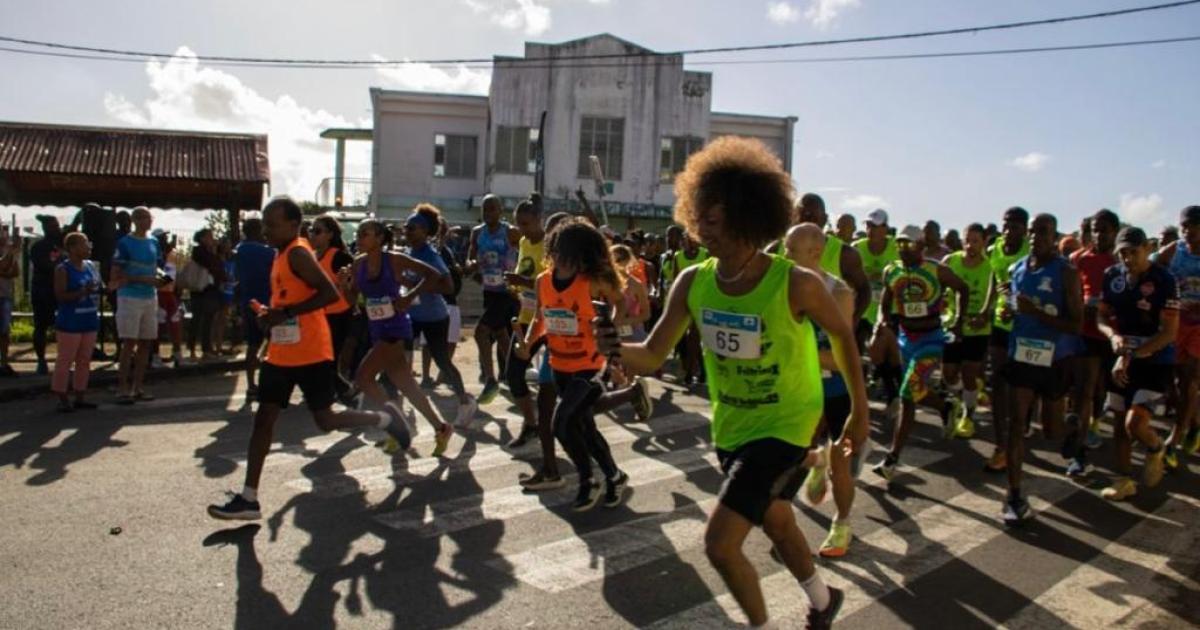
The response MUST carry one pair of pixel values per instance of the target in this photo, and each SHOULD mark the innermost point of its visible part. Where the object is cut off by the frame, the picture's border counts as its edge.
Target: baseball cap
(1190, 214)
(1130, 237)
(910, 233)
(878, 216)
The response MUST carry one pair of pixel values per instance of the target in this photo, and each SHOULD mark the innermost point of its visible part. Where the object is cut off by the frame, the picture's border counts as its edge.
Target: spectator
(124, 223)
(207, 301)
(44, 257)
(136, 276)
(10, 250)
(228, 288)
(170, 315)
(77, 289)
(252, 262)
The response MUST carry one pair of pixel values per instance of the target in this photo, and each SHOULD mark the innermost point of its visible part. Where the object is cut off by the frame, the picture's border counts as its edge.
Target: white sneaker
(466, 413)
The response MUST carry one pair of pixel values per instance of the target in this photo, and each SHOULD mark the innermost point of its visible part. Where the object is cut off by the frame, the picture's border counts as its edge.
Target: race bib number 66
(731, 335)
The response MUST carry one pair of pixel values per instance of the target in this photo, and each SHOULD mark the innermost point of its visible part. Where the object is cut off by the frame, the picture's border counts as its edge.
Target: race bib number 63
(731, 335)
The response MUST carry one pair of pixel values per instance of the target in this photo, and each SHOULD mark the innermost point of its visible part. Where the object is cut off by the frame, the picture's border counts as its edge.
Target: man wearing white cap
(878, 250)
(911, 307)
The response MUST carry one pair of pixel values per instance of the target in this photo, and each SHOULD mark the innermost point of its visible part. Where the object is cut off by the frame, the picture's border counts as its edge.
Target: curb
(37, 386)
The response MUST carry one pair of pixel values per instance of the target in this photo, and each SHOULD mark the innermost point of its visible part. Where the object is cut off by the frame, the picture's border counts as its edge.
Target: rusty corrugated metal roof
(66, 149)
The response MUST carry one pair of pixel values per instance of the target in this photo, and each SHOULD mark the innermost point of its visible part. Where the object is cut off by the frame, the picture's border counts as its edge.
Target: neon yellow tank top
(1001, 263)
(683, 262)
(530, 264)
(831, 256)
(764, 374)
(977, 279)
(873, 265)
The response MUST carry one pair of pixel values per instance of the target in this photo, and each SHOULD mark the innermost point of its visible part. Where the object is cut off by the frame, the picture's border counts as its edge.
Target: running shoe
(427, 383)
(527, 433)
(1191, 444)
(236, 509)
(466, 413)
(837, 542)
(588, 497)
(885, 468)
(540, 481)
(821, 619)
(815, 485)
(1094, 440)
(951, 411)
(1152, 470)
(398, 428)
(998, 462)
(965, 428)
(614, 490)
(642, 405)
(1121, 489)
(1030, 430)
(1170, 459)
(1016, 510)
(1078, 466)
(441, 439)
(490, 389)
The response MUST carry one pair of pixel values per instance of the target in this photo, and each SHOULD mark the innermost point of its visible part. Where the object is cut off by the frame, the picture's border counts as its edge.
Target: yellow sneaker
(1121, 489)
(837, 542)
(965, 429)
(1192, 444)
(1152, 470)
(442, 439)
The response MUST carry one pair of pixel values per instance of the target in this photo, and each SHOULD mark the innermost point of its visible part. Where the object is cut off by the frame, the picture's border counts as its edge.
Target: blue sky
(957, 140)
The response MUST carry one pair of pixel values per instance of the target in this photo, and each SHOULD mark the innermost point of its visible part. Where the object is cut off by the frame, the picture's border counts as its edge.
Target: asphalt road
(355, 538)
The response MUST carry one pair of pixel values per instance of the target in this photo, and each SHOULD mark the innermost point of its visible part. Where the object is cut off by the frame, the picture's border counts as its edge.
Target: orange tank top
(341, 305)
(303, 339)
(567, 321)
(638, 270)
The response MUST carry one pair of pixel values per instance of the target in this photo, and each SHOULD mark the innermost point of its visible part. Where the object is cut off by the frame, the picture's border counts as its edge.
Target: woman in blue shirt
(76, 288)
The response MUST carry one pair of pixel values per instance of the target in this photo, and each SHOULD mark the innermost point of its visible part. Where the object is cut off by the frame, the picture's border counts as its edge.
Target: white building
(640, 115)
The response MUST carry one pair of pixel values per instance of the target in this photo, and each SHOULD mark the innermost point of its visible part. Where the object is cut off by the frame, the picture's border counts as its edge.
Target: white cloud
(1142, 210)
(823, 154)
(185, 95)
(527, 16)
(822, 13)
(1159, 164)
(864, 202)
(782, 12)
(426, 78)
(1030, 162)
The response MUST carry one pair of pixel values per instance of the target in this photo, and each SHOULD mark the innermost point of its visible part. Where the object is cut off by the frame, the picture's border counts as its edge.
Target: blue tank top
(429, 307)
(383, 321)
(81, 315)
(1031, 341)
(1185, 266)
(492, 250)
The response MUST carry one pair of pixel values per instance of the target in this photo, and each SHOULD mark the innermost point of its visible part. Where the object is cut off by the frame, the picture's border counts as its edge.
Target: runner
(326, 239)
(1139, 313)
(757, 314)
(430, 318)
(1010, 247)
(911, 307)
(300, 353)
(878, 250)
(691, 253)
(962, 362)
(845, 228)
(491, 246)
(1049, 313)
(935, 249)
(1185, 266)
(805, 244)
(379, 275)
(839, 259)
(1096, 360)
(582, 271)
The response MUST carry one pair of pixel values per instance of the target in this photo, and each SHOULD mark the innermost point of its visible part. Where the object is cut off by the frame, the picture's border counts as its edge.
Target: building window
(605, 139)
(674, 153)
(454, 156)
(516, 150)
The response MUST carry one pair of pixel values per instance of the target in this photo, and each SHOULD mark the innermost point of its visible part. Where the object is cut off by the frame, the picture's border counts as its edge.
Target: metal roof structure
(66, 165)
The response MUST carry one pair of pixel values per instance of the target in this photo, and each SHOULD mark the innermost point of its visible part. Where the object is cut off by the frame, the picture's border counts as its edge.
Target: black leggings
(514, 373)
(436, 344)
(575, 424)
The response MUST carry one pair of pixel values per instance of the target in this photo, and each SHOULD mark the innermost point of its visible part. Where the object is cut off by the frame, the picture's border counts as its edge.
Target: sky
(956, 140)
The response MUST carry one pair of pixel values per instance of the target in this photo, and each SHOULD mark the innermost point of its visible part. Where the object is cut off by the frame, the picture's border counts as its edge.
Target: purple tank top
(384, 322)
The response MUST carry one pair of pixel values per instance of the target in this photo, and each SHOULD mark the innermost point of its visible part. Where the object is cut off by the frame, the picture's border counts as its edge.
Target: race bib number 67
(731, 335)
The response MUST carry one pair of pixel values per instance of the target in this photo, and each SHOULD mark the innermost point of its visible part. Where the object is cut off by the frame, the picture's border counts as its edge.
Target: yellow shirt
(530, 263)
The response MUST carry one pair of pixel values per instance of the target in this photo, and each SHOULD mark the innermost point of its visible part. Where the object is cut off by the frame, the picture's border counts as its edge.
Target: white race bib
(528, 301)
(380, 308)
(561, 322)
(1035, 351)
(493, 279)
(286, 333)
(915, 309)
(731, 335)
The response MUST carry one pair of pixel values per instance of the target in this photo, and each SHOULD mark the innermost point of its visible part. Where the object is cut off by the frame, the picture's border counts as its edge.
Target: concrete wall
(776, 133)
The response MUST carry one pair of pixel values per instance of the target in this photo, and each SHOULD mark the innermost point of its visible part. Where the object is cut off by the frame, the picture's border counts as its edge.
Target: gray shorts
(137, 318)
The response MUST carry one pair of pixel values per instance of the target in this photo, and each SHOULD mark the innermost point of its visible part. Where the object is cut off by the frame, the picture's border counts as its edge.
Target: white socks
(818, 593)
(250, 494)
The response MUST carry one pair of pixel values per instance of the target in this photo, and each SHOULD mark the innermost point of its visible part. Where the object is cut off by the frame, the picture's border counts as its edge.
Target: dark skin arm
(854, 275)
(472, 264)
(1069, 322)
(306, 267)
(431, 280)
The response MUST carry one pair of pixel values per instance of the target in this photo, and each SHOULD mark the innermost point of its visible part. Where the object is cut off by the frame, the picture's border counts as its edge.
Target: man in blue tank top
(1182, 258)
(491, 253)
(1048, 317)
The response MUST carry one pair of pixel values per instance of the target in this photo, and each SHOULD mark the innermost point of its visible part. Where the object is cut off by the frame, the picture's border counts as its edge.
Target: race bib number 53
(731, 335)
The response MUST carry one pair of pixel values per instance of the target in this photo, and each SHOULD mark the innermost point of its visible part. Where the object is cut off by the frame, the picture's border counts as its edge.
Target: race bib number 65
(731, 335)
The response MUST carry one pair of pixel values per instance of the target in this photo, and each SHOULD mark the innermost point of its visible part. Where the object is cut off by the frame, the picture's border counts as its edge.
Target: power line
(694, 51)
(718, 62)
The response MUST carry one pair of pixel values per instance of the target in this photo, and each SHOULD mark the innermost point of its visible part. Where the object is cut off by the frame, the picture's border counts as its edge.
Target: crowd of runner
(790, 319)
